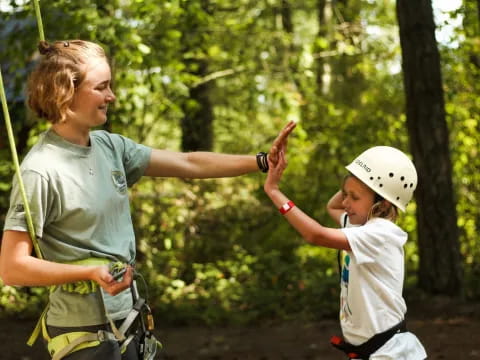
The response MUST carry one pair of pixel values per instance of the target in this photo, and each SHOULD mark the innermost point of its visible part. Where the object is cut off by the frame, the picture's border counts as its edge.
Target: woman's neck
(72, 134)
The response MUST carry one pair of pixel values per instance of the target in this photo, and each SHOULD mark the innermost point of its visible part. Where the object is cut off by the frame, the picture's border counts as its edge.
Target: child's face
(358, 199)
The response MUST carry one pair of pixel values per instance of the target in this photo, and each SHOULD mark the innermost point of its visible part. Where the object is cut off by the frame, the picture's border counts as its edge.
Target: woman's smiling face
(91, 99)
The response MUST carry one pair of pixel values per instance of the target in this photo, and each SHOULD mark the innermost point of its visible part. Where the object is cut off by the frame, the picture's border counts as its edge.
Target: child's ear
(385, 204)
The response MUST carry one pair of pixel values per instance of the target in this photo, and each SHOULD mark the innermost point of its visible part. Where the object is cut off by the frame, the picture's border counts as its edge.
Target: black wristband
(262, 161)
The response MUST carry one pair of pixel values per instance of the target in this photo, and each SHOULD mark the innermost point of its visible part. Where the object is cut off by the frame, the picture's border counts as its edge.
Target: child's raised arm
(335, 207)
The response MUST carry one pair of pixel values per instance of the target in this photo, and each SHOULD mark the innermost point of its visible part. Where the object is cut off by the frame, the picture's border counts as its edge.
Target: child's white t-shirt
(371, 298)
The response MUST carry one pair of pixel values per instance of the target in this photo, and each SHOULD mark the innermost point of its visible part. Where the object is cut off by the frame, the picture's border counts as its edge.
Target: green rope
(16, 164)
(39, 20)
(13, 149)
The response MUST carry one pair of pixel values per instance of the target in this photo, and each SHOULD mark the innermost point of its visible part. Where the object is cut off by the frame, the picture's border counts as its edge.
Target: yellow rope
(39, 20)
(13, 149)
(11, 139)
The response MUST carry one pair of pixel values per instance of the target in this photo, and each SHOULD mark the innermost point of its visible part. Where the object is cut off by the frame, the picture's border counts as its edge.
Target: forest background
(225, 76)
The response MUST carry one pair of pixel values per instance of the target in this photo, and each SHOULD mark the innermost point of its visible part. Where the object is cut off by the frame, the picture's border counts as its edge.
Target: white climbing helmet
(388, 172)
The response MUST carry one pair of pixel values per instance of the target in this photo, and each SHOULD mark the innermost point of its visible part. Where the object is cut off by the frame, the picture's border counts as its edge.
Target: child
(76, 184)
(372, 310)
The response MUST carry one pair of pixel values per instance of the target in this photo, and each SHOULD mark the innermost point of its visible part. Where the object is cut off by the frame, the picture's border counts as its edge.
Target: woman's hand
(102, 276)
(280, 143)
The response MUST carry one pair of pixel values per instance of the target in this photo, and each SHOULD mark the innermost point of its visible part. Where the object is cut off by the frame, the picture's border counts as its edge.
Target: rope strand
(39, 20)
(13, 149)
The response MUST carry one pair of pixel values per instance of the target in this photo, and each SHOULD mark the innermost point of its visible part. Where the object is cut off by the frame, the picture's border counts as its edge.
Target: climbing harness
(363, 351)
(139, 321)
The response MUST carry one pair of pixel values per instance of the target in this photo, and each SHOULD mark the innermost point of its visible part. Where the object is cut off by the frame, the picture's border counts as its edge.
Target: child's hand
(275, 172)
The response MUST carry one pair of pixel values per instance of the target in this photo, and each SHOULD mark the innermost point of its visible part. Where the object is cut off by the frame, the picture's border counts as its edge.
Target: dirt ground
(448, 330)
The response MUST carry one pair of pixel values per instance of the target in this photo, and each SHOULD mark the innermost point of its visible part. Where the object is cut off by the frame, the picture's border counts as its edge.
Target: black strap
(363, 351)
(339, 252)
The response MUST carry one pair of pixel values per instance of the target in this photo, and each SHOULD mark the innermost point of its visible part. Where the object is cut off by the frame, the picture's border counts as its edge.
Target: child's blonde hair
(383, 209)
(53, 83)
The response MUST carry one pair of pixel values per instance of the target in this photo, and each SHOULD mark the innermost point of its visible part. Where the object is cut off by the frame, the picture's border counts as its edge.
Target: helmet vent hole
(402, 178)
(398, 198)
(381, 185)
(379, 178)
(411, 185)
(391, 174)
(405, 186)
(371, 177)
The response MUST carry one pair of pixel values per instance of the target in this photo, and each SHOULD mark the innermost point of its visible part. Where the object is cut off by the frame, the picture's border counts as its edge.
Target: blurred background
(226, 76)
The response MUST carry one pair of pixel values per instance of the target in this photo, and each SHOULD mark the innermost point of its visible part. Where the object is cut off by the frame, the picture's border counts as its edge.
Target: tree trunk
(287, 17)
(478, 13)
(324, 28)
(440, 262)
(197, 123)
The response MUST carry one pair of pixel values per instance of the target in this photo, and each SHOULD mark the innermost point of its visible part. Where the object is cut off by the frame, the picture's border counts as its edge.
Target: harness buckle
(101, 335)
(336, 340)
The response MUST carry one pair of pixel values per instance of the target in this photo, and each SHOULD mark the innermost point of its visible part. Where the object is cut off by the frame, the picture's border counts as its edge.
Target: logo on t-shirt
(345, 268)
(119, 181)
(19, 208)
(345, 310)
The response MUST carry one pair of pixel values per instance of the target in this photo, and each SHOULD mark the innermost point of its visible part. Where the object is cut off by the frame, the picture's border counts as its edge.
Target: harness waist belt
(363, 351)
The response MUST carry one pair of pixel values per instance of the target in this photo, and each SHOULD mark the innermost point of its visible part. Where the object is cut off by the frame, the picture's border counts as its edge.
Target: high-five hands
(280, 143)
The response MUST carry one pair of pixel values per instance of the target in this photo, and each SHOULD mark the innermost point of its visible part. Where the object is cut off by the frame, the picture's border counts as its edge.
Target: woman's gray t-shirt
(79, 202)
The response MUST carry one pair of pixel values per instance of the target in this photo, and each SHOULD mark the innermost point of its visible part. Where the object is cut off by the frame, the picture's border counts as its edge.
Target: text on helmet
(362, 165)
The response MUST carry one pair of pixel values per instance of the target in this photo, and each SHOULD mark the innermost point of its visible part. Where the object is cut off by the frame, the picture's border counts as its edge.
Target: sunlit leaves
(220, 245)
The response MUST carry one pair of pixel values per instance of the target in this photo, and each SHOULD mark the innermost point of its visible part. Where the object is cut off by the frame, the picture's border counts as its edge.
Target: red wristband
(289, 205)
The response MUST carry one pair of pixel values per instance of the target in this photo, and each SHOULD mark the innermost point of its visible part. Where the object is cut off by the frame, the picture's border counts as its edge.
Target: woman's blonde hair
(52, 85)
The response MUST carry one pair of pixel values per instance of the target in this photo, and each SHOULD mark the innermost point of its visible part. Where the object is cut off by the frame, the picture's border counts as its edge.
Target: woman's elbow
(5, 275)
(8, 272)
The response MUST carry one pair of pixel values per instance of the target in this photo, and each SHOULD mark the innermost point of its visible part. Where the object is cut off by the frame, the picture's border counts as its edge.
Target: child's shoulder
(385, 228)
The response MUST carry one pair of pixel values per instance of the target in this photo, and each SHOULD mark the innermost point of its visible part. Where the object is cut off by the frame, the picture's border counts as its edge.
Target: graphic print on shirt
(18, 211)
(345, 308)
(119, 181)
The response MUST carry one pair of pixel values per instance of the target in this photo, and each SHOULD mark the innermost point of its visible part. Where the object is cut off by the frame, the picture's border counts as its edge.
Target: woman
(76, 182)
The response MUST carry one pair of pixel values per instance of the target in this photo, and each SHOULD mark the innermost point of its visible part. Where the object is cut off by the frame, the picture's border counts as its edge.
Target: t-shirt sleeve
(135, 157)
(36, 189)
(366, 242)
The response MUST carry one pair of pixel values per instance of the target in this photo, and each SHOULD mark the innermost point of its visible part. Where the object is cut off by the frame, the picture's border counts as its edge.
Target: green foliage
(216, 251)
(461, 71)
(21, 302)
(244, 288)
